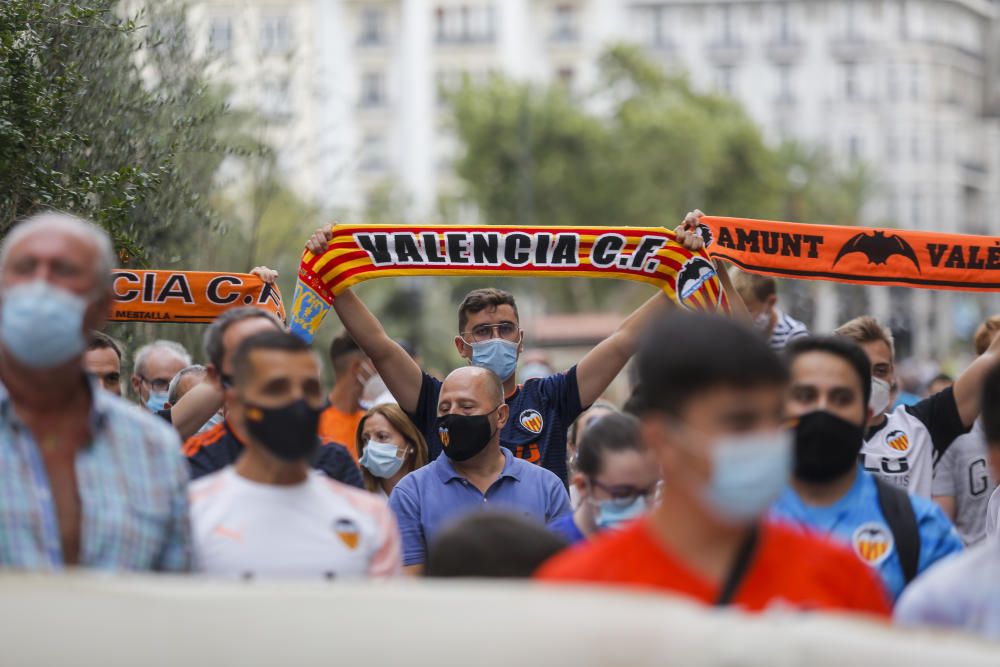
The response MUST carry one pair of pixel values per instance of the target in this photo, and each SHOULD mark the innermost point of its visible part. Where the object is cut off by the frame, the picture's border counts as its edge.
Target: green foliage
(106, 117)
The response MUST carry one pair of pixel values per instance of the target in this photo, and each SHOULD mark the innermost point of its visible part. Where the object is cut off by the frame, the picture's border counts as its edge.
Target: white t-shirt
(319, 528)
(963, 474)
(905, 449)
(992, 512)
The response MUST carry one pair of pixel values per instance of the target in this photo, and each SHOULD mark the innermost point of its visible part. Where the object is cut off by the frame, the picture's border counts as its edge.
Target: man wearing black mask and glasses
(268, 514)
(474, 472)
(897, 534)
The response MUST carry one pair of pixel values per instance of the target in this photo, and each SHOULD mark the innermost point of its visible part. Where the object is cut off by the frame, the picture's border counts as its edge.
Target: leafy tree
(107, 116)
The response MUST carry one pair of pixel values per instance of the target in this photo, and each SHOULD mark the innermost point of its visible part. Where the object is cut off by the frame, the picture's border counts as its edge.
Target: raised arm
(402, 375)
(603, 363)
(969, 384)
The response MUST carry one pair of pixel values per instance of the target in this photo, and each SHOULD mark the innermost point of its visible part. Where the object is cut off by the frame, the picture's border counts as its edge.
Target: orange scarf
(188, 296)
(363, 252)
(867, 256)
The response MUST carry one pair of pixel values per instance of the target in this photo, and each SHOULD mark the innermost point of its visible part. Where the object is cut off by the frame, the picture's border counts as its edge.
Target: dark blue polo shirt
(429, 498)
(541, 410)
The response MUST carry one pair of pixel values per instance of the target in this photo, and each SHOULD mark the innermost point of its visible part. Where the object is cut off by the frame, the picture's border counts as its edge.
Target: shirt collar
(446, 473)
(100, 404)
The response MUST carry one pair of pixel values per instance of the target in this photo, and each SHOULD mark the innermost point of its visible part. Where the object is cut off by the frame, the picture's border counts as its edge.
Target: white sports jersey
(905, 448)
(319, 528)
(963, 474)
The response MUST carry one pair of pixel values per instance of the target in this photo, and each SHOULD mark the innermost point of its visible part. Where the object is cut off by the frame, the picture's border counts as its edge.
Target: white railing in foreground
(150, 621)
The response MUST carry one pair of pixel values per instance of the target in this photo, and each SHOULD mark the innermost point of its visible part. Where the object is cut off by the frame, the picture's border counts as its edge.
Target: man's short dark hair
(684, 354)
(990, 407)
(491, 544)
(479, 300)
(212, 340)
(340, 348)
(265, 340)
(838, 346)
(102, 341)
(615, 432)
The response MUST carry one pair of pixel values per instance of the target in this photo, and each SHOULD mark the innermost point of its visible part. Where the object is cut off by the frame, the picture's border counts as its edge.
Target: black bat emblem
(695, 271)
(878, 248)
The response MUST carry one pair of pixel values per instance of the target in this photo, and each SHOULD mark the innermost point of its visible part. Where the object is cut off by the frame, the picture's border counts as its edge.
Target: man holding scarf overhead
(490, 336)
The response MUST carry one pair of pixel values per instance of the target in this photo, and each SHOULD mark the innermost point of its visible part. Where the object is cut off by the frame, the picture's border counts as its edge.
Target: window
(784, 92)
(564, 24)
(651, 21)
(915, 147)
(372, 90)
(275, 34)
(220, 35)
(916, 208)
(892, 82)
(373, 152)
(565, 76)
(465, 24)
(854, 148)
(784, 24)
(724, 79)
(851, 91)
(726, 24)
(372, 26)
(275, 100)
(891, 147)
(851, 20)
(914, 81)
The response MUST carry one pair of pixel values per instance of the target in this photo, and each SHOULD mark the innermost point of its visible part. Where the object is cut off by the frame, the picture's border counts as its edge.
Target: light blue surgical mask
(748, 474)
(212, 422)
(41, 325)
(380, 459)
(612, 515)
(497, 355)
(156, 401)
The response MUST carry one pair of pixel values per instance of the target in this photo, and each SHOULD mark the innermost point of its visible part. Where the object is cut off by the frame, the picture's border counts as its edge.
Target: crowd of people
(754, 464)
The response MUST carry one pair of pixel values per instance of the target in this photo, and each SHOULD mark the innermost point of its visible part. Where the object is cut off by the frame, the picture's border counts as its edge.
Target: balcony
(785, 51)
(852, 48)
(726, 51)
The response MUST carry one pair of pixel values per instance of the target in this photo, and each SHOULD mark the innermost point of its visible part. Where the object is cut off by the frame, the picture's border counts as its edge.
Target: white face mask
(881, 394)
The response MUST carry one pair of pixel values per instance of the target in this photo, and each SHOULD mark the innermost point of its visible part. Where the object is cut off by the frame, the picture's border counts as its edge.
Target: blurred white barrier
(91, 620)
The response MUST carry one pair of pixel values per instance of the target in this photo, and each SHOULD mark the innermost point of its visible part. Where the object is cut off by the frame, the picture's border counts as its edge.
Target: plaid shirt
(132, 480)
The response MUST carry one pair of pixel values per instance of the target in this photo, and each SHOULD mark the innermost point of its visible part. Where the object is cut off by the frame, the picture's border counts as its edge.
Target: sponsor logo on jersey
(872, 543)
(532, 421)
(348, 532)
(898, 440)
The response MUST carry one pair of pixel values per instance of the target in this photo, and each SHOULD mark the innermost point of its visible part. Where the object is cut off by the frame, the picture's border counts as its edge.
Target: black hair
(615, 432)
(990, 407)
(838, 346)
(102, 341)
(685, 354)
(340, 347)
(212, 339)
(491, 544)
(265, 340)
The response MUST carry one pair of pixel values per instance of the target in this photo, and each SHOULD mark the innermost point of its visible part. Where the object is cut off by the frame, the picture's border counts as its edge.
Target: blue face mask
(156, 401)
(611, 515)
(497, 355)
(41, 325)
(213, 421)
(380, 459)
(748, 474)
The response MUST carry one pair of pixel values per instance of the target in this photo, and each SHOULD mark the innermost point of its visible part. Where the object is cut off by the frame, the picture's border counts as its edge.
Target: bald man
(474, 472)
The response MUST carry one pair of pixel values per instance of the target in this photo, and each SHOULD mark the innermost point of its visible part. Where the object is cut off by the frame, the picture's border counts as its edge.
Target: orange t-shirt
(788, 567)
(340, 427)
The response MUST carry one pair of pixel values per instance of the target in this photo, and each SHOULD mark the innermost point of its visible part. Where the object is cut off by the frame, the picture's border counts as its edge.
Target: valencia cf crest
(898, 440)
(444, 436)
(348, 532)
(705, 232)
(695, 273)
(531, 420)
(872, 543)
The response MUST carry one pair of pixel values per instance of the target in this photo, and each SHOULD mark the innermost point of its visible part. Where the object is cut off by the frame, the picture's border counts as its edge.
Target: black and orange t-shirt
(788, 568)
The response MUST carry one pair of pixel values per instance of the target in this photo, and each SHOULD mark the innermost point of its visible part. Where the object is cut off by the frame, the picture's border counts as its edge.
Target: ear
(464, 349)
(97, 313)
(503, 413)
(657, 437)
(167, 405)
(771, 302)
(136, 383)
(520, 346)
(214, 376)
(579, 480)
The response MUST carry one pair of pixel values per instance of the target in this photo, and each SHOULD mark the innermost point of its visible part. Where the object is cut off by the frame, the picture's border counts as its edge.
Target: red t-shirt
(788, 567)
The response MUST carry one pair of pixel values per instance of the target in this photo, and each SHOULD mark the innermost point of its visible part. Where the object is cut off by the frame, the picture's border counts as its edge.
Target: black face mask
(464, 436)
(826, 446)
(288, 431)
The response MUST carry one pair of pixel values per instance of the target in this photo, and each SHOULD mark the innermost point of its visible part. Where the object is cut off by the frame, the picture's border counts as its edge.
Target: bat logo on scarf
(878, 248)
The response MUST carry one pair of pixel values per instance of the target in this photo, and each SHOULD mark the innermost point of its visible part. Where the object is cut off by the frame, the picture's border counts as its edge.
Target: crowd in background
(754, 463)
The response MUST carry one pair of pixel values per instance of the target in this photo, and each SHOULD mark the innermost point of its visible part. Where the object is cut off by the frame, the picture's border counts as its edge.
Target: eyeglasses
(625, 494)
(158, 385)
(484, 332)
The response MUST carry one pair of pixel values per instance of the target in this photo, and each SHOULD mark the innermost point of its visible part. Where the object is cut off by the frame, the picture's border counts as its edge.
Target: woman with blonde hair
(390, 447)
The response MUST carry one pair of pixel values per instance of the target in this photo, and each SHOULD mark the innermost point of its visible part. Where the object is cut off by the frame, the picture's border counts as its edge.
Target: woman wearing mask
(615, 478)
(390, 447)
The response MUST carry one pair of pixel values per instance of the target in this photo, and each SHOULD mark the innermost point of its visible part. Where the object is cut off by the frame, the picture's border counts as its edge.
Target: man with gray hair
(85, 478)
(155, 365)
(186, 380)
